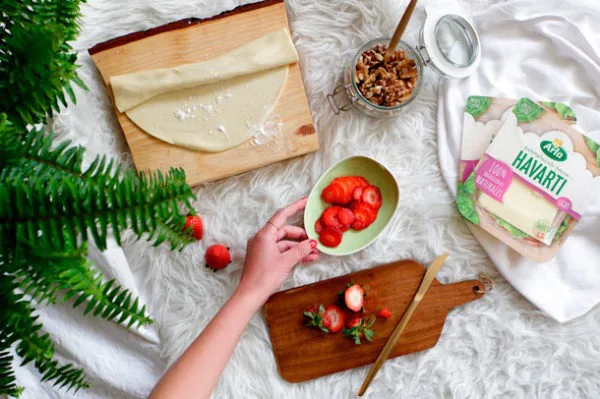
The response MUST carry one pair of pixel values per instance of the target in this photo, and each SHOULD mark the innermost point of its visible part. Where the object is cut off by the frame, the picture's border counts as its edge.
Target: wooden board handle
(456, 294)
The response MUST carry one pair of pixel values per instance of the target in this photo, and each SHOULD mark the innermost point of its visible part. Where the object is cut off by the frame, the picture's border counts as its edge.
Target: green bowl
(354, 241)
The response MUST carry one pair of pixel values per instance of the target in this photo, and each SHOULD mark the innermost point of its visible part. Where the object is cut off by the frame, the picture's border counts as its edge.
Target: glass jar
(447, 42)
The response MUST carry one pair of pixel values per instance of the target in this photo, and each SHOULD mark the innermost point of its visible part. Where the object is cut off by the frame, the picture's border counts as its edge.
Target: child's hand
(273, 251)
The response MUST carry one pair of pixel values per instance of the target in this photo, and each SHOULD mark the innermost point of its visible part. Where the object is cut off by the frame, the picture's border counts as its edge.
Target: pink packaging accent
(564, 204)
(493, 178)
(469, 167)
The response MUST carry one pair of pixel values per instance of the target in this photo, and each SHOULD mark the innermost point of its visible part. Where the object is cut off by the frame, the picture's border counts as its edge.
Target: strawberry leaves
(361, 331)
(315, 317)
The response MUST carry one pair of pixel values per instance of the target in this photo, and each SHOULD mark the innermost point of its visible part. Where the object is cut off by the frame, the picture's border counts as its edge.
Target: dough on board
(211, 117)
(209, 105)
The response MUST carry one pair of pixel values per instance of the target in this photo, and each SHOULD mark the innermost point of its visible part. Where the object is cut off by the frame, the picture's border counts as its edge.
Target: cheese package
(533, 182)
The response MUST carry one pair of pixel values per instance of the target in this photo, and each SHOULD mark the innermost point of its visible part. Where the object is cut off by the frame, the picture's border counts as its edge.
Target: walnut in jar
(386, 83)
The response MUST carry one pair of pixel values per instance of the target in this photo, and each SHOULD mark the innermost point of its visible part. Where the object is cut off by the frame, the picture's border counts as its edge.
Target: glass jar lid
(450, 44)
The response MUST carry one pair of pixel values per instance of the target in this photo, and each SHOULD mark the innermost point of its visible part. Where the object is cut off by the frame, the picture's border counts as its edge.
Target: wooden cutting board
(304, 353)
(194, 40)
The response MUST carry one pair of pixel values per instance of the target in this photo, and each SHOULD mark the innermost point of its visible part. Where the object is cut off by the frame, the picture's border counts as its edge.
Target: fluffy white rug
(500, 346)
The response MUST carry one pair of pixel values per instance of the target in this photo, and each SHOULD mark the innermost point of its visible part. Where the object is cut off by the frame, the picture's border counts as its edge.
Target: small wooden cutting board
(194, 40)
(304, 353)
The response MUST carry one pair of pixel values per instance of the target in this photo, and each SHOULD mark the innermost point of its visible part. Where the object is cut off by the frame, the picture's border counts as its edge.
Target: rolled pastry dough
(270, 51)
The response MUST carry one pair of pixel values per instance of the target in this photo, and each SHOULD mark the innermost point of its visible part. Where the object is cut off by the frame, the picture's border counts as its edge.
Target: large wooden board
(195, 40)
(304, 353)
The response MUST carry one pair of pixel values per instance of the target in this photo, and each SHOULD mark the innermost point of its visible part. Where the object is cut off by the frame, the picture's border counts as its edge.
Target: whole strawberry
(217, 257)
(196, 228)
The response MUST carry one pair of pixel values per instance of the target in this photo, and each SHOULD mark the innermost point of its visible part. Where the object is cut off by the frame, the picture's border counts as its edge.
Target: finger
(284, 245)
(300, 251)
(310, 258)
(281, 216)
(291, 232)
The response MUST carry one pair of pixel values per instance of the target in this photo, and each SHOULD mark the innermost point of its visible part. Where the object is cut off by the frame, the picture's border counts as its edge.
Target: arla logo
(554, 150)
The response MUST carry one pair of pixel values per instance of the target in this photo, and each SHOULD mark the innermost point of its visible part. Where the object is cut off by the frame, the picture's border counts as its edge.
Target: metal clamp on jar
(447, 42)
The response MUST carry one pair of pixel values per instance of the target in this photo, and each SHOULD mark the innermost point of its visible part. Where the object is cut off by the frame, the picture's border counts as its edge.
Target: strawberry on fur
(354, 296)
(385, 313)
(336, 318)
(217, 257)
(330, 237)
(194, 223)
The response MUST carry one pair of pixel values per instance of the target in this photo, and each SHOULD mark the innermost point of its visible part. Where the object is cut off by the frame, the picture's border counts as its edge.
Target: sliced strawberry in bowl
(354, 297)
(347, 184)
(333, 193)
(330, 237)
(345, 216)
(336, 319)
(357, 194)
(360, 181)
(319, 226)
(364, 215)
(330, 217)
(372, 196)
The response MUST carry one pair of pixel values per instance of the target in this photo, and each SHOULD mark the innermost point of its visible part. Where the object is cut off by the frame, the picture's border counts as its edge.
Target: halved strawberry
(372, 196)
(330, 217)
(336, 318)
(354, 297)
(319, 226)
(357, 194)
(364, 215)
(345, 216)
(385, 313)
(330, 237)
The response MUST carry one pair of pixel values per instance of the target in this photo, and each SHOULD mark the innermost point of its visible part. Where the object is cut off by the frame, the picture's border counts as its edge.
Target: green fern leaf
(20, 326)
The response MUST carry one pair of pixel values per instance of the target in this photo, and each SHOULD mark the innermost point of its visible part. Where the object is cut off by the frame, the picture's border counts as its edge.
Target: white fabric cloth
(549, 51)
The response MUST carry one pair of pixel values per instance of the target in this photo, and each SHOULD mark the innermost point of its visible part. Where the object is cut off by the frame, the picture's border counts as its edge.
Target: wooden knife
(391, 342)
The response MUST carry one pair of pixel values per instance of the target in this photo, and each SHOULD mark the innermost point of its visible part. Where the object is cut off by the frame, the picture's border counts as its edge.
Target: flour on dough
(211, 117)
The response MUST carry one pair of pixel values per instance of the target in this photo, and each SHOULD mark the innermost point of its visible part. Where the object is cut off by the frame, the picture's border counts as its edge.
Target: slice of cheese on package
(526, 210)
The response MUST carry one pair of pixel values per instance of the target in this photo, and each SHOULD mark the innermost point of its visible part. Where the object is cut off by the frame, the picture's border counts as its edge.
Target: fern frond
(50, 271)
(20, 326)
(47, 213)
(32, 155)
(37, 64)
(8, 382)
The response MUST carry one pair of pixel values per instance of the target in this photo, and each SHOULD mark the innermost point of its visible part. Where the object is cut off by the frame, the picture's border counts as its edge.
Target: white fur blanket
(499, 346)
